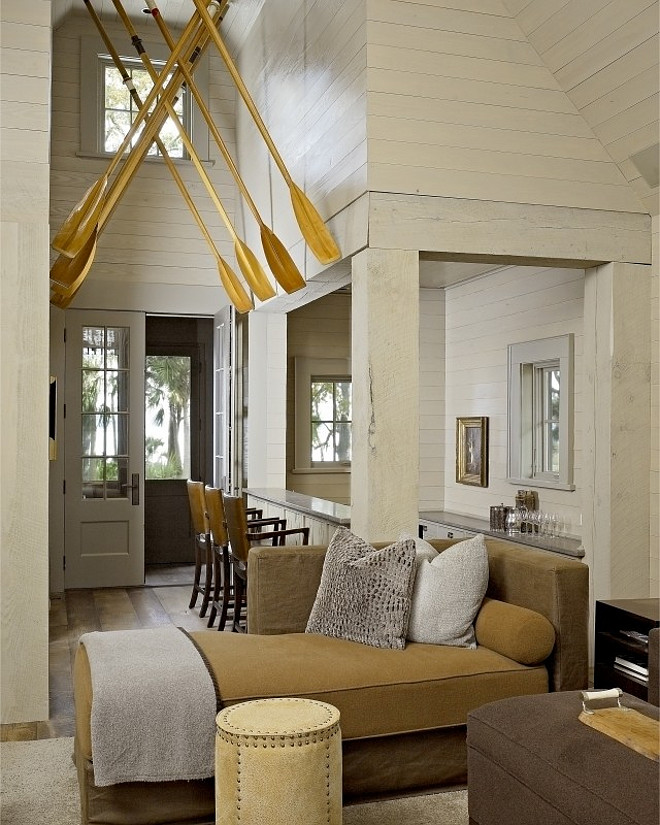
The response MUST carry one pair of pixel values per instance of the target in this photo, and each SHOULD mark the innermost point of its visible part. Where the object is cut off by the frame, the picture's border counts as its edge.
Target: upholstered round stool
(277, 762)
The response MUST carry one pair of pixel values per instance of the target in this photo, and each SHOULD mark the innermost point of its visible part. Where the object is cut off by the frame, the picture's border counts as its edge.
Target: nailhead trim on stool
(277, 762)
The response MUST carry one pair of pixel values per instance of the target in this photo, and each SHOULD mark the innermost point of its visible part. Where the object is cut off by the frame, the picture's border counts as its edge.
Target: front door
(104, 444)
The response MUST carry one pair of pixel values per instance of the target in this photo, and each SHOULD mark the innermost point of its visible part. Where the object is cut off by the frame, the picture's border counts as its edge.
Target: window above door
(106, 108)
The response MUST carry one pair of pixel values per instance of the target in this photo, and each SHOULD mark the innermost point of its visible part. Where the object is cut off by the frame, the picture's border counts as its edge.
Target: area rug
(38, 784)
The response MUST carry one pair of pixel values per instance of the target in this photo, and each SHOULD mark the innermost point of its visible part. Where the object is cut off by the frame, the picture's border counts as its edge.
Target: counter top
(310, 505)
(554, 544)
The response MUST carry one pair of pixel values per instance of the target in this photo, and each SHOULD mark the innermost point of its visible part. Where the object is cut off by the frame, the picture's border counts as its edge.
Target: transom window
(330, 419)
(120, 110)
(540, 421)
(106, 108)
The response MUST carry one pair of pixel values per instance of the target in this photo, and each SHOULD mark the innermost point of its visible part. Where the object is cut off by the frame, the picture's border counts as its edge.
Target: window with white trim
(107, 110)
(330, 414)
(120, 110)
(323, 409)
(540, 414)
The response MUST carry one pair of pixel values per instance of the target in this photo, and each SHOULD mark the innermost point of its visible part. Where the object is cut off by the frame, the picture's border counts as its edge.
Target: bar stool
(203, 555)
(242, 534)
(278, 761)
(223, 591)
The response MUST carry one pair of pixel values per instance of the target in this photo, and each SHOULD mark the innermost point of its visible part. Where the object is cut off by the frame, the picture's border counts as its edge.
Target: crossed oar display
(279, 260)
(230, 281)
(77, 237)
(76, 240)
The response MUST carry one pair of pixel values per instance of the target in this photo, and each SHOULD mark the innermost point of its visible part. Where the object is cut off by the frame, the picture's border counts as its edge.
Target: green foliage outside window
(331, 418)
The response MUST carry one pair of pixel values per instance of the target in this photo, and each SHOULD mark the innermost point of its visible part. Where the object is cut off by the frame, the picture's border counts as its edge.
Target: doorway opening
(178, 438)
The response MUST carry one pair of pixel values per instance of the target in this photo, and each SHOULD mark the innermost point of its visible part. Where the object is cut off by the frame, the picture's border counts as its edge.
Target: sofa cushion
(448, 593)
(515, 632)
(364, 594)
(377, 691)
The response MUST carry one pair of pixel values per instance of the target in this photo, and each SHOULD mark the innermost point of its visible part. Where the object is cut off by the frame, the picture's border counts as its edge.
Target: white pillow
(423, 550)
(448, 593)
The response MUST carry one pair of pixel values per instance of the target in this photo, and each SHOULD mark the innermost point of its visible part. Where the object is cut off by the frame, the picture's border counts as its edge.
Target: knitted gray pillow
(364, 594)
(448, 594)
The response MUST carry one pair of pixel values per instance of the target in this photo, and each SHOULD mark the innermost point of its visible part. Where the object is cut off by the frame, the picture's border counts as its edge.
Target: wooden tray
(631, 728)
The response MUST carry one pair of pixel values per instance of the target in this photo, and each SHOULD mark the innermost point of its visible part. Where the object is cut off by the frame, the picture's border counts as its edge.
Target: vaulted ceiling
(604, 55)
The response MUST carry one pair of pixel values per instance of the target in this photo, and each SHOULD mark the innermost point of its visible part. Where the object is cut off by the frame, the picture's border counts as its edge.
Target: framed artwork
(472, 451)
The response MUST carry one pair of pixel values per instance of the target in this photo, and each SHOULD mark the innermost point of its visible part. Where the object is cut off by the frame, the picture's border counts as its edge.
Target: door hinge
(63, 562)
(64, 334)
(64, 486)
(64, 411)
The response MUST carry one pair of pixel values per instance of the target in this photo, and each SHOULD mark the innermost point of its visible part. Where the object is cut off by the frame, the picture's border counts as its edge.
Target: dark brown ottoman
(532, 762)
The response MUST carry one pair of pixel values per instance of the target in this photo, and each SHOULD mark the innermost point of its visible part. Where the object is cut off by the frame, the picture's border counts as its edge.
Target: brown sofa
(403, 712)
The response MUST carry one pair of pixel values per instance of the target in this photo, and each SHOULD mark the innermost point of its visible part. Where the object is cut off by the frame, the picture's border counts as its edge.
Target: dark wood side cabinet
(621, 651)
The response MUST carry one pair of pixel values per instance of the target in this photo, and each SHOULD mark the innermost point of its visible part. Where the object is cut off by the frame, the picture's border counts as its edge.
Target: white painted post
(385, 362)
(616, 460)
(266, 444)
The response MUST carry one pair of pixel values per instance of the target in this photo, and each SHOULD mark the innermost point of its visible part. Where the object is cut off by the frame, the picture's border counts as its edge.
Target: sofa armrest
(282, 585)
(554, 586)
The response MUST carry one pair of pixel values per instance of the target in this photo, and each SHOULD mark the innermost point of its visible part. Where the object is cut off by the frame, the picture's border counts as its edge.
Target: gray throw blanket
(153, 706)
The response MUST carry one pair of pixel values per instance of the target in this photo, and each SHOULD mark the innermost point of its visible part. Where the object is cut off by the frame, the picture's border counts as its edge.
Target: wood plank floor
(163, 600)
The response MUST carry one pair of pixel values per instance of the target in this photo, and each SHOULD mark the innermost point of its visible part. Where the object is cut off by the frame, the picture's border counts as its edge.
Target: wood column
(385, 368)
(266, 401)
(617, 405)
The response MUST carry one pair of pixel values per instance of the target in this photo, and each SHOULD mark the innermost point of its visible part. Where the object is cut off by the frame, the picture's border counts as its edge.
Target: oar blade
(314, 231)
(234, 288)
(65, 271)
(82, 221)
(253, 272)
(280, 262)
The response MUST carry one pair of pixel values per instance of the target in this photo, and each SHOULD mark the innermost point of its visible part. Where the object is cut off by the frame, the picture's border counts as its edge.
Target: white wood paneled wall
(304, 62)
(25, 112)
(320, 329)
(461, 105)
(605, 56)
(432, 394)
(151, 250)
(483, 317)
(655, 412)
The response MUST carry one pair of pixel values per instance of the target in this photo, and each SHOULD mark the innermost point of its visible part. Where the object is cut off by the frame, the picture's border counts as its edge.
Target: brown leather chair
(242, 534)
(203, 553)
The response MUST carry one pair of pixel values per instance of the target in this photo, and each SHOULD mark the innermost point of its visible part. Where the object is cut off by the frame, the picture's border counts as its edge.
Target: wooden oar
(66, 271)
(82, 221)
(230, 281)
(248, 263)
(314, 230)
(279, 260)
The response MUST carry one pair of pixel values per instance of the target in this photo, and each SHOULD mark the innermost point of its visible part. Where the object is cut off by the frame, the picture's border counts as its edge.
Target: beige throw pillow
(448, 593)
(364, 594)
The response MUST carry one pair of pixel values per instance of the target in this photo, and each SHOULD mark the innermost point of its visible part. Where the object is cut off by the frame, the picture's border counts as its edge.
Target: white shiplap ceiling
(604, 55)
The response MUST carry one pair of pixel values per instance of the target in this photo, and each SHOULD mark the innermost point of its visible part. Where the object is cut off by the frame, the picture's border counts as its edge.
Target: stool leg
(217, 579)
(208, 580)
(198, 573)
(226, 588)
(238, 602)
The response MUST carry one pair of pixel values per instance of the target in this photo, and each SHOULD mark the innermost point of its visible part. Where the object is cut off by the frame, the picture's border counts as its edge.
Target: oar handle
(192, 86)
(161, 146)
(240, 85)
(139, 151)
(137, 43)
